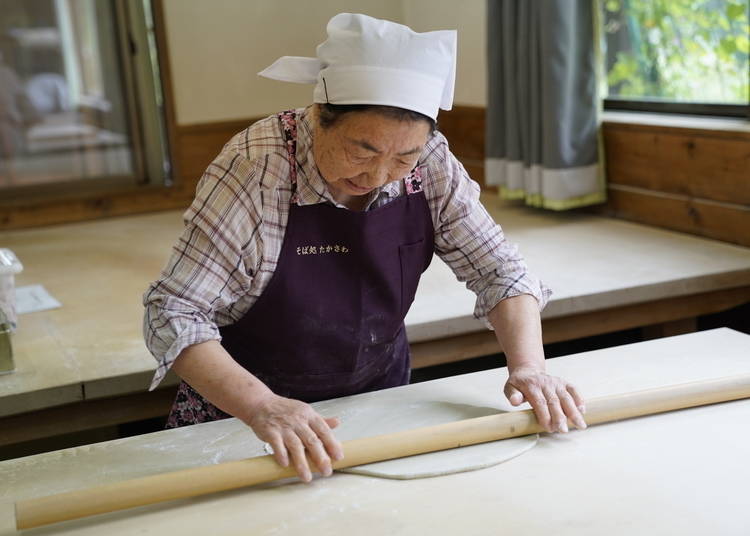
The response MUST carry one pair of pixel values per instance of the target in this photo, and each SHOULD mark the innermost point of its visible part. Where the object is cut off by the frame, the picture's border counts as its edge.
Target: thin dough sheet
(374, 418)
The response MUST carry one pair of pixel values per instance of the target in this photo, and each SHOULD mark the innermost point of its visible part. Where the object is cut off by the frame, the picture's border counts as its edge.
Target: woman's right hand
(291, 427)
(294, 428)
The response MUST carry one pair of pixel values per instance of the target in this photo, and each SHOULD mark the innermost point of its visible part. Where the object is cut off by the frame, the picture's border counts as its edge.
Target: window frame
(675, 107)
(87, 199)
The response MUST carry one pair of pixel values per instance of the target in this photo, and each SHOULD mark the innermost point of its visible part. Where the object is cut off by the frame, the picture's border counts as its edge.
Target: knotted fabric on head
(372, 61)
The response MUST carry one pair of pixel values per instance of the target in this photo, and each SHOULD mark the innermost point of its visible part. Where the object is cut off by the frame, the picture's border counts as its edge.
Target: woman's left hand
(553, 399)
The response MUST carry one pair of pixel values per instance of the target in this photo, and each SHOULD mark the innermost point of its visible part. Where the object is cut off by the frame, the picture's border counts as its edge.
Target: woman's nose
(378, 176)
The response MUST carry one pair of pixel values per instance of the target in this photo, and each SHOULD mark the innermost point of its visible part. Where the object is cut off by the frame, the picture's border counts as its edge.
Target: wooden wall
(463, 126)
(690, 180)
(197, 145)
(74, 204)
(685, 179)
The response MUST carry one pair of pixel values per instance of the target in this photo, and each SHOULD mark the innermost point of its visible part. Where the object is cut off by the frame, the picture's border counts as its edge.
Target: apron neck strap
(289, 126)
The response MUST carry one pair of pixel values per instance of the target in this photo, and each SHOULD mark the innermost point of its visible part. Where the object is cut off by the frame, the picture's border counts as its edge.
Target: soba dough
(383, 418)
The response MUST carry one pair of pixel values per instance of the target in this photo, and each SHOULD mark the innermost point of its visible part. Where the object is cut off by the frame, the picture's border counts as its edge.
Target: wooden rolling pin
(201, 480)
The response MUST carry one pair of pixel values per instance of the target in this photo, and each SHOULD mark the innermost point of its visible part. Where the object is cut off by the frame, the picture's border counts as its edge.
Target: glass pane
(156, 162)
(678, 50)
(63, 111)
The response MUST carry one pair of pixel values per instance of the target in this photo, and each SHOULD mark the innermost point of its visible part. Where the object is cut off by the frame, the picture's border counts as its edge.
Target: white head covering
(373, 61)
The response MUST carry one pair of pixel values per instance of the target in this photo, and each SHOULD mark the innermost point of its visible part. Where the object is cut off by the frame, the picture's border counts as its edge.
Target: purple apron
(330, 323)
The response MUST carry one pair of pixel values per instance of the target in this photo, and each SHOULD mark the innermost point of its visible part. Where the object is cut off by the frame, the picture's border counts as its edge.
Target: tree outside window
(690, 51)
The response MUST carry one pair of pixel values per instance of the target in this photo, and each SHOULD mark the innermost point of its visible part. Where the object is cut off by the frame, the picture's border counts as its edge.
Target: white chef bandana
(373, 61)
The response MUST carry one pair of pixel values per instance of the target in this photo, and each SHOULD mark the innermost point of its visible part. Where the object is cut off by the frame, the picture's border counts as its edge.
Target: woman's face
(365, 150)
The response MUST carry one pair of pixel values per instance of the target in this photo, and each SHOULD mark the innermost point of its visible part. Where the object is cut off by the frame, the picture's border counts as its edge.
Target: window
(686, 56)
(80, 101)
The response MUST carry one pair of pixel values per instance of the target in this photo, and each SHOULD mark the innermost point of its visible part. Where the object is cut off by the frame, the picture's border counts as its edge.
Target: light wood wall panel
(198, 145)
(93, 206)
(690, 180)
(685, 179)
(702, 217)
(463, 126)
(707, 165)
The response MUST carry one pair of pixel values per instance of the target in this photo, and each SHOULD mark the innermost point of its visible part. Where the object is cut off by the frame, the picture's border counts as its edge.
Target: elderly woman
(305, 243)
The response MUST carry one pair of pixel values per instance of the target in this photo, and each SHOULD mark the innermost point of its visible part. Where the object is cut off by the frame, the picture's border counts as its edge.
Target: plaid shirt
(235, 227)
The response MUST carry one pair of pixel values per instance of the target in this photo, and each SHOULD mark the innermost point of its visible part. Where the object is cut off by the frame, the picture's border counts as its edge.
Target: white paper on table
(33, 298)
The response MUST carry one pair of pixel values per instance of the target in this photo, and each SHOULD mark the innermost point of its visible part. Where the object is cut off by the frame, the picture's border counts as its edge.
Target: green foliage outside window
(678, 50)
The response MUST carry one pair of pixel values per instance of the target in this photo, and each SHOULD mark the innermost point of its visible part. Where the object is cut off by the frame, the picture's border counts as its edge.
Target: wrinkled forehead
(378, 134)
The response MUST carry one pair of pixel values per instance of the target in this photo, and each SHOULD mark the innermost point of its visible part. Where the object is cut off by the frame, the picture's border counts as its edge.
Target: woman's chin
(352, 189)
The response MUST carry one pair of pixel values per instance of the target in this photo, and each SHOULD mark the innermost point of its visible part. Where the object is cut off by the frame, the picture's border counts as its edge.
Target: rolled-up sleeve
(473, 245)
(211, 265)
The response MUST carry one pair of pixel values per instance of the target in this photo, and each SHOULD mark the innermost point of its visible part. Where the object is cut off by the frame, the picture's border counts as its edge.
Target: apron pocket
(412, 258)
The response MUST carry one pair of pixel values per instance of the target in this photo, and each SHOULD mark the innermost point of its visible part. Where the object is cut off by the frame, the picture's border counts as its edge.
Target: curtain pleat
(543, 106)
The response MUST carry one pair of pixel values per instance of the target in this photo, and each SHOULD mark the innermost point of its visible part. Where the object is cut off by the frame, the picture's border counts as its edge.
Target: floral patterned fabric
(191, 408)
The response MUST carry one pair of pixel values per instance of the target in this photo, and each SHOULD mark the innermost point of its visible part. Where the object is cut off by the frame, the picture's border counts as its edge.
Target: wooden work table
(85, 364)
(683, 472)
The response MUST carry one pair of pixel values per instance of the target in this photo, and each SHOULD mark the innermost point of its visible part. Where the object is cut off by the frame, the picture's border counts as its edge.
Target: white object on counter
(34, 298)
(9, 267)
